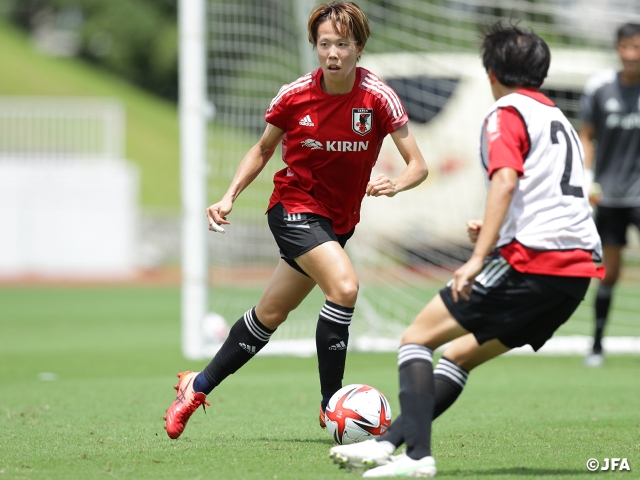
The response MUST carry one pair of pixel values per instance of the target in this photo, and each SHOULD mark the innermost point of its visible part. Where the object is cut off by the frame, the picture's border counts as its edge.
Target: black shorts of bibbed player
(516, 308)
(298, 233)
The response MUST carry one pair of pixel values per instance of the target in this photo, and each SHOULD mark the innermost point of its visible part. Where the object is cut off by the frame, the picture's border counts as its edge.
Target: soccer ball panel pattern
(356, 413)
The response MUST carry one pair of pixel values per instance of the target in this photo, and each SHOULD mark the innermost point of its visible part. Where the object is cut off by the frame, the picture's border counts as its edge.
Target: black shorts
(297, 233)
(612, 223)
(516, 308)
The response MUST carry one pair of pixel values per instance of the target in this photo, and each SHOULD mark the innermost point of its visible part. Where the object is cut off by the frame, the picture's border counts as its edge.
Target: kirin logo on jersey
(336, 145)
(312, 144)
(361, 120)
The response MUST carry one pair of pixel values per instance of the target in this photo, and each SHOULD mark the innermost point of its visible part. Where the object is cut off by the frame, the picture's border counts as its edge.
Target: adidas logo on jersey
(306, 122)
(338, 346)
(248, 348)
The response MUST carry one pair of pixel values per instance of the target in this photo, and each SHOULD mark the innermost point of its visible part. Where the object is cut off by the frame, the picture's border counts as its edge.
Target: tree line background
(136, 39)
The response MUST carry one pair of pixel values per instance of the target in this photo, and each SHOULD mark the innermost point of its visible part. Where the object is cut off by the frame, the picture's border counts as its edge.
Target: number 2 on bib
(567, 189)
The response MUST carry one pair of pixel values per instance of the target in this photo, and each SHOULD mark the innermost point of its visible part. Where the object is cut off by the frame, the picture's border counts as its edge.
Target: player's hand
(595, 194)
(381, 185)
(217, 214)
(473, 230)
(463, 278)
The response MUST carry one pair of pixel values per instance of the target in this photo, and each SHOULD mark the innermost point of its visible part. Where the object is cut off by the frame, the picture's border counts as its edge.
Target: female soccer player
(331, 123)
(538, 214)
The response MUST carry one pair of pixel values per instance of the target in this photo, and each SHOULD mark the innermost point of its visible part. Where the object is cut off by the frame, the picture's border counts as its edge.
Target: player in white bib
(531, 266)
(550, 196)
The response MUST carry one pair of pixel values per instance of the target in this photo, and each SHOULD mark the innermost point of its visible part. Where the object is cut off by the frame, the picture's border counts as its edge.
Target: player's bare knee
(408, 338)
(344, 293)
(611, 277)
(273, 317)
(414, 335)
(461, 359)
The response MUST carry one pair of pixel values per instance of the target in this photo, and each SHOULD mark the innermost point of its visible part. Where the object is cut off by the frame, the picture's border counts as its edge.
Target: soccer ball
(356, 413)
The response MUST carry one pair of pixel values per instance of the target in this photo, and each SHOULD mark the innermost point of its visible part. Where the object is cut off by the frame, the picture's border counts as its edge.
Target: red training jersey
(517, 135)
(331, 144)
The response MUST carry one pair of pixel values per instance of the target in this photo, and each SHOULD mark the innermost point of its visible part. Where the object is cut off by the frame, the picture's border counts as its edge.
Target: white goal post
(193, 167)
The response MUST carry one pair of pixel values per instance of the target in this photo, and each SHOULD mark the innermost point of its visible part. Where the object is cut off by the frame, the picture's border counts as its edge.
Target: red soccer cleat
(187, 401)
(323, 424)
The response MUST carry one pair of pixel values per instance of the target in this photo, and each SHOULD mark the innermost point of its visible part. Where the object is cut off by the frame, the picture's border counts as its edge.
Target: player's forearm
(589, 153)
(586, 135)
(503, 185)
(416, 170)
(413, 175)
(250, 167)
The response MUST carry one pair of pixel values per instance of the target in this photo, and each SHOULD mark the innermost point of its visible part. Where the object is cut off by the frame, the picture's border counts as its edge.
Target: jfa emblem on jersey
(361, 120)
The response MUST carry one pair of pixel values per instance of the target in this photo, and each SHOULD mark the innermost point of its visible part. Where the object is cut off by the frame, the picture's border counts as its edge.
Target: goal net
(405, 247)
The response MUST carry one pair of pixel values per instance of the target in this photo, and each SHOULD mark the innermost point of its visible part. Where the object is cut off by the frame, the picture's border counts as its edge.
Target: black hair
(517, 57)
(627, 30)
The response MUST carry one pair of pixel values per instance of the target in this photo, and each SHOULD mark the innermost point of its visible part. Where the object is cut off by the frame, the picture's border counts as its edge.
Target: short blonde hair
(347, 19)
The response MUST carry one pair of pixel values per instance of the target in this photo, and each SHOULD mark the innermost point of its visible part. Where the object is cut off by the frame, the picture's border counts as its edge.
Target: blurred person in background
(331, 123)
(610, 134)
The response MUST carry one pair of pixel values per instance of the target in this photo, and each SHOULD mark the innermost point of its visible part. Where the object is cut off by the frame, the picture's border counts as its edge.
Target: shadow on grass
(327, 441)
(531, 472)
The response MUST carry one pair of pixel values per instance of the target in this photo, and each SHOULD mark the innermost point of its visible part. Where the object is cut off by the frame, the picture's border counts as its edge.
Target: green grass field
(114, 352)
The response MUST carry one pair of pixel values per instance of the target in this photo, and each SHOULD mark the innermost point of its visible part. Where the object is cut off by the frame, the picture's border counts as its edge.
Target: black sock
(332, 339)
(246, 338)
(449, 380)
(325, 401)
(394, 433)
(602, 306)
(417, 398)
